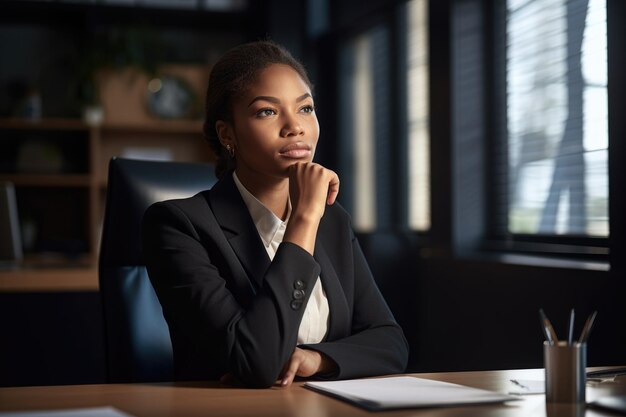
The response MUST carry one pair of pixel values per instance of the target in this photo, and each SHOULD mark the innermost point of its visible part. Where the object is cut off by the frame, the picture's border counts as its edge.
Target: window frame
(395, 183)
(498, 238)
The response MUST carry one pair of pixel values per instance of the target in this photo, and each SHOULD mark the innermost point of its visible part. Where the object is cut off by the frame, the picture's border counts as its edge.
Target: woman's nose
(291, 128)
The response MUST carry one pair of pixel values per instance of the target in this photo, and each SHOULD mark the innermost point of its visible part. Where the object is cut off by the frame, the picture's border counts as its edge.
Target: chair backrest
(137, 340)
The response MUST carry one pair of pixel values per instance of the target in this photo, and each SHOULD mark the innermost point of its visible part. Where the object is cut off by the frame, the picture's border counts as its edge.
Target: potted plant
(131, 51)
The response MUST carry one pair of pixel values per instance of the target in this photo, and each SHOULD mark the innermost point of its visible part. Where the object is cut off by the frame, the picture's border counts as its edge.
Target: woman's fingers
(312, 184)
(333, 188)
(303, 363)
(292, 368)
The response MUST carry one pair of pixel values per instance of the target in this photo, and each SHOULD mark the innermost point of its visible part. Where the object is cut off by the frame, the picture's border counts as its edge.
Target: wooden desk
(210, 399)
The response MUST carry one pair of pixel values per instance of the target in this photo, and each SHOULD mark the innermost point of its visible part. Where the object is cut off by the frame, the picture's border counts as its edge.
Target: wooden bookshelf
(51, 180)
(73, 198)
(49, 279)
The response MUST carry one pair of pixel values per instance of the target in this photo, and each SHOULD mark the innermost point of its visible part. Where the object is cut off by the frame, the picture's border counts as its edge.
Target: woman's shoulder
(190, 207)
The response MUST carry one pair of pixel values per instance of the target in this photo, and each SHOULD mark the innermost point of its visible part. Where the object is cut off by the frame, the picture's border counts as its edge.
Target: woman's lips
(296, 150)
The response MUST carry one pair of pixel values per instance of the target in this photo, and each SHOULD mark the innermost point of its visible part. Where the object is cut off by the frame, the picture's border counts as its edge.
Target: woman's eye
(265, 113)
(307, 109)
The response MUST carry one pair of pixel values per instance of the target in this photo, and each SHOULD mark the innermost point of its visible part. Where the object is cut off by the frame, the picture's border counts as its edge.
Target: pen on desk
(584, 335)
(519, 384)
(548, 330)
(570, 335)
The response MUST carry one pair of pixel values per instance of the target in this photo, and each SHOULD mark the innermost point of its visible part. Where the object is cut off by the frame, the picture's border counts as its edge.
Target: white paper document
(73, 412)
(405, 392)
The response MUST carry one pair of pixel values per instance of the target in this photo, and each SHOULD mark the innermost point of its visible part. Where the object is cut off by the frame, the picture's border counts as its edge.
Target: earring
(230, 150)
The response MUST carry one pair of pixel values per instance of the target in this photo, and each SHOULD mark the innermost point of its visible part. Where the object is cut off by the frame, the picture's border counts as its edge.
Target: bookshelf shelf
(66, 206)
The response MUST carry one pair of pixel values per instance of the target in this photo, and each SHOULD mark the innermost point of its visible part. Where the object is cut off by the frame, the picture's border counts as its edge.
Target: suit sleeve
(377, 345)
(257, 340)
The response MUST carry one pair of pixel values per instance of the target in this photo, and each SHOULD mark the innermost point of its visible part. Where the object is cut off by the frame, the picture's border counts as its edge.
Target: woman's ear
(225, 133)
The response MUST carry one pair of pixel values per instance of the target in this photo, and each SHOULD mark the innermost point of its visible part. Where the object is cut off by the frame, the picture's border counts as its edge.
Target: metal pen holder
(565, 368)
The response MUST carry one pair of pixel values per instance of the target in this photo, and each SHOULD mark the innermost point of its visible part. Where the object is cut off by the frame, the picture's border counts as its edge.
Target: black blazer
(229, 309)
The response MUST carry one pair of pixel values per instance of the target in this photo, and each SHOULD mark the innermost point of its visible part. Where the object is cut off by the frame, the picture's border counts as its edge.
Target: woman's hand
(305, 363)
(311, 187)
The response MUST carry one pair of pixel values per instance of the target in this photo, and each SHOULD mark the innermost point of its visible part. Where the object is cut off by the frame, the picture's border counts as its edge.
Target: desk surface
(211, 399)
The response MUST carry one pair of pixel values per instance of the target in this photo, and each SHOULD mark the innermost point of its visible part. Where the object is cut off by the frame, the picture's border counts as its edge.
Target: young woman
(261, 277)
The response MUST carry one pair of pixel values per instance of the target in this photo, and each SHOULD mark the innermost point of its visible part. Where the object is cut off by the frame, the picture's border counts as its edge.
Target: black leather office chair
(137, 340)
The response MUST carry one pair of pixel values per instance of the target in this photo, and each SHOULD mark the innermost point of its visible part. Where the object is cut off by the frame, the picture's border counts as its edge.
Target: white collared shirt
(272, 230)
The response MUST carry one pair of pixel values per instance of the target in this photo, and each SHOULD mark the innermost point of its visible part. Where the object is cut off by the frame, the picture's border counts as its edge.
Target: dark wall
(473, 314)
(484, 315)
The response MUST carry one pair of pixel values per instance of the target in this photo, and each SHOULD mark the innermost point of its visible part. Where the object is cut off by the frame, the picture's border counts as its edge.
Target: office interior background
(479, 144)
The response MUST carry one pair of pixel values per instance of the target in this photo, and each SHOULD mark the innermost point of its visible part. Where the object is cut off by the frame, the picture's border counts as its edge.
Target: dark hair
(230, 77)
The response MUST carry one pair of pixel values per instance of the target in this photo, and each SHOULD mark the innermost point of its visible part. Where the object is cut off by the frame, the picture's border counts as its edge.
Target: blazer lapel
(340, 317)
(234, 219)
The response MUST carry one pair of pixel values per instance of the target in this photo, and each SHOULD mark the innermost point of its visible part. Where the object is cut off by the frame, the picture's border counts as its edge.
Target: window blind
(555, 155)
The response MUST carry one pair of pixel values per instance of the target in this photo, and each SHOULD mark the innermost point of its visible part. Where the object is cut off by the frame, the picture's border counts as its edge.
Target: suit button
(296, 304)
(298, 294)
(299, 285)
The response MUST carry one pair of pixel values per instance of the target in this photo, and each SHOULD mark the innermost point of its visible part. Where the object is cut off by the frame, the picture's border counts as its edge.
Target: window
(364, 126)
(417, 109)
(375, 151)
(556, 150)
(364, 115)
